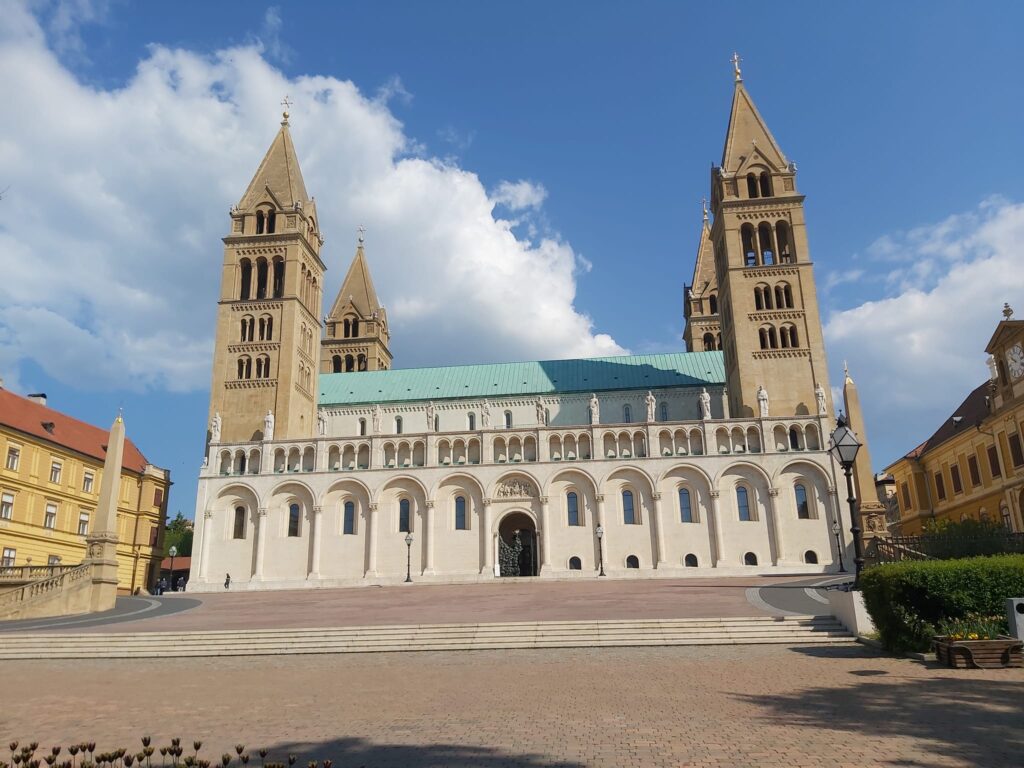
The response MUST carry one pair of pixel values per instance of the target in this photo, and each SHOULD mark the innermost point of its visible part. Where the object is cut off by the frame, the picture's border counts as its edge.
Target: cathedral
(327, 467)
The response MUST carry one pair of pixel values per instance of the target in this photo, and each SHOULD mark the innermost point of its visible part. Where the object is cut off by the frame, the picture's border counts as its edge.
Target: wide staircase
(790, 630)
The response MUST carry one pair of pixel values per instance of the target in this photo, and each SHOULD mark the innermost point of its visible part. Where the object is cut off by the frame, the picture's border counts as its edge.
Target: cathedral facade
(326, 467)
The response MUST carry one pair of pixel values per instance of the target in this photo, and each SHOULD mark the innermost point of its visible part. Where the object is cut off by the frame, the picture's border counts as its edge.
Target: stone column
(204, 549)
(603, 543)
(486, 539)
(714, 534)
(372, 524)
(315, 537)
(545, 536)
(659, 541)
(261, 541)
(774, 534)
(102, 539)
(428, 538)
(266, 459)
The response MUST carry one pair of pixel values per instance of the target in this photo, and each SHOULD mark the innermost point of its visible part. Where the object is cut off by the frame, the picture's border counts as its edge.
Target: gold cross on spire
(286, 103)
(736, 67)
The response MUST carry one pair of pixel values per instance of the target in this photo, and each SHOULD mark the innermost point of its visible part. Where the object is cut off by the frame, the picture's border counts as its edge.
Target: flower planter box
(980, 654)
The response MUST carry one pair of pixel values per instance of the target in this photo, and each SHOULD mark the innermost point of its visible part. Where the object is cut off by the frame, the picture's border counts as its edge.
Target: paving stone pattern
(721, 706)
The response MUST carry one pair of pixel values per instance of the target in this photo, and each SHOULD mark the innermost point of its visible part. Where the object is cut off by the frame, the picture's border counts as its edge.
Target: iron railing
(940, 546)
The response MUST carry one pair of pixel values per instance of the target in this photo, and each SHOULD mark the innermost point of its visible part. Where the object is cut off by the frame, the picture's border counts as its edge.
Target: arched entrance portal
(517, 545)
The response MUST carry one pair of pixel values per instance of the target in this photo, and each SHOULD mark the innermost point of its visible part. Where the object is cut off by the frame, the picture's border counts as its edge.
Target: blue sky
(588, 128)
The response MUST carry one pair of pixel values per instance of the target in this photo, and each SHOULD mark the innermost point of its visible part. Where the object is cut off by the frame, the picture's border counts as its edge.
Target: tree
(178, 534)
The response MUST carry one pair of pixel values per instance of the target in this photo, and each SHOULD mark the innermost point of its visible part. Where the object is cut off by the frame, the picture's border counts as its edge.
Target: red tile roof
(37, 420)
(181, 563)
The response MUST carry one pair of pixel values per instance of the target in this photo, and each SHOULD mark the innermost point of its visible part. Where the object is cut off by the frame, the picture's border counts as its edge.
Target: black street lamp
(836, 529)
(173, 552)
(600, 549)
(408, 558)
(844, 446)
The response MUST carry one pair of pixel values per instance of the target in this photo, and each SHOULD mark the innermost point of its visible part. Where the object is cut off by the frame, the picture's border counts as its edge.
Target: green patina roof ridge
(543, 377)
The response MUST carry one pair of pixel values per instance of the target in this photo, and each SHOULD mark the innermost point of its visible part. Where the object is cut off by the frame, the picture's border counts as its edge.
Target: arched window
(632, 561)
(246, 328)
(362, 427)
(685, 509)
(460, 513)
(709, 342)
(794, 438)
(766, 247)
(713, 304)
(294, 518)
(794, 342)
(787, 295)
(627, 414)
(758, 300)
(262, 367)
(664, 412)
(628, 513)
(403, 516)
(266, 328)
(398, 425)
(261, 278)
(749, 245)
(349, 521)
(259, 222)
(780, 297)
(751, 185)
(246, 288)
(239, 532)
(471, 422)
(773, 339)
(803, 509)
(361, 362)
(346, 328)
(575, 564)
(350, 363)
(278, 277)
(572, 503)
(271, 222)
(750, 559)
(766, 184)
(743, 504)
(245, 367)
(786, 253)
(336, 365)
(690, 561)
(767, 295)
(508, 419)
(811, 557)
(355, 327)
(762, 336)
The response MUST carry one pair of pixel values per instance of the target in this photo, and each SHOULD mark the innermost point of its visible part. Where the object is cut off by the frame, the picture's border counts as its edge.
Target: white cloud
(110, 232)
(519, 195)
(270, 36)
(918, 353)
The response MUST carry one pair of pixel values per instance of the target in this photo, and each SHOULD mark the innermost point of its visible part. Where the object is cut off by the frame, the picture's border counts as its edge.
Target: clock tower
(1007, 350)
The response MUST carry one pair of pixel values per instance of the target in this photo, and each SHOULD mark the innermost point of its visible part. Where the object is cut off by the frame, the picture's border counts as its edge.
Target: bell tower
(357, 326)
(703, 331)
(265, 357)
(771, 329)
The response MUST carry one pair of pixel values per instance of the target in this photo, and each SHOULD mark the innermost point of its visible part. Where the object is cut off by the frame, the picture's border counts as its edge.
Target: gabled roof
(358, 285)
(280, 173)
(39, 421)
(704, 264)
(972, 412)
(748, 132)
(599, 374)
(1006, 327)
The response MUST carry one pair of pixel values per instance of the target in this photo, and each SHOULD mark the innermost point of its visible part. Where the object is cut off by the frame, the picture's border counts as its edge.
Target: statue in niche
(651, 402)
(705, 404)
(430, 416)
(215, 425)
(819, 395)
(321, 423)
(595, 410)
(268, 426)
(762, 401)
(375, 419)
(485, 415)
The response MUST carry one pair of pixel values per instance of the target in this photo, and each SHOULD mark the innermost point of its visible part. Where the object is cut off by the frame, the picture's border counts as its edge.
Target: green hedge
(907, 600)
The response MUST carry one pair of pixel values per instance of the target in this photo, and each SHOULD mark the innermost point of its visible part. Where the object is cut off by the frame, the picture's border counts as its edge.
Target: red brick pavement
(721, 706)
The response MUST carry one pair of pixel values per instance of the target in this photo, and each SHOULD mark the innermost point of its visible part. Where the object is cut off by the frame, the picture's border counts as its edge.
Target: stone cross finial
(736, 67)
(362, 231)
(286, 103)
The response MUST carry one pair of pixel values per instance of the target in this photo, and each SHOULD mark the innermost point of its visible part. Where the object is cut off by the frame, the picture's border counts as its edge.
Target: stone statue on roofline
(430, 416)
(595, 410)
(215, 426)
(375, 418)
(819, 396)
(762, 401)
(268, 426)
(485, 415)
(650, 402)
(705, 404)
(321, 423)
(541, 416)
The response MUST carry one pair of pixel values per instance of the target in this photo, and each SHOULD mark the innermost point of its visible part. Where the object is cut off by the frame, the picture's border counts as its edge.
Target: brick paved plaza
(721, 706)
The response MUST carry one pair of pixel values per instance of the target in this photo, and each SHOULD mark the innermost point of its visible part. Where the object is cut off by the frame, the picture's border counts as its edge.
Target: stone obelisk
(102, 539)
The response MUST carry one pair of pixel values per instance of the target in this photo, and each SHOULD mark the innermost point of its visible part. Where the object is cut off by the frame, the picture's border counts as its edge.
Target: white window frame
(88, 479)
(6, 512)
(50, 515)
(13, 452)
(83, 517)
(9, 557)
(56, 470)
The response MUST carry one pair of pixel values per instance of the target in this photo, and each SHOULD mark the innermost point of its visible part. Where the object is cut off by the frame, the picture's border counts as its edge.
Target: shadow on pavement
(361, 753)
(963, 719)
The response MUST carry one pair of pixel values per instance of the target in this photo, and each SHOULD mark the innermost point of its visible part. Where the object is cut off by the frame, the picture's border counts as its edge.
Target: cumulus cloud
(519, 195)
(917, 353)
(110, 232)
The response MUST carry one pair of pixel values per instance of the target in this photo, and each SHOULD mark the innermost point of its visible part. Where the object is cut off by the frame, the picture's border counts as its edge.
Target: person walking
(227, 581)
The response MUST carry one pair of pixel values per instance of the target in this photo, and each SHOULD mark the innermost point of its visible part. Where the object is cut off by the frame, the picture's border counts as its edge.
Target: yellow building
(49, 489)
(972, 467)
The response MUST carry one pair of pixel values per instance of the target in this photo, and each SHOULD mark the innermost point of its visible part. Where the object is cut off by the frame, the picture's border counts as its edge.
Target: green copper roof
(683, 369)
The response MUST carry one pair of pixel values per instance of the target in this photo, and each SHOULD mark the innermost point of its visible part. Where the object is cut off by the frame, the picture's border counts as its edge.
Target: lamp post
(173, 552)
(408, 558)
(844, 446)
(839, 544)
(600, 549)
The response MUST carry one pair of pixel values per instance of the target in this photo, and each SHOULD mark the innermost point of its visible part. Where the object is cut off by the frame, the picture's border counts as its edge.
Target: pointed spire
(357, 287)
(279, 173)
(747, 131)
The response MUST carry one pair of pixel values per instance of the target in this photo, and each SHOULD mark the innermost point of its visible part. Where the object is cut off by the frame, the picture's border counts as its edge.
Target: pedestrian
(227, 581)
(163, 586)
(181, 584)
